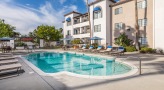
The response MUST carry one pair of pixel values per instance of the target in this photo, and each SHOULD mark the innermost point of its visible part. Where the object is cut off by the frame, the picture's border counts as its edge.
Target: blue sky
(26, 15)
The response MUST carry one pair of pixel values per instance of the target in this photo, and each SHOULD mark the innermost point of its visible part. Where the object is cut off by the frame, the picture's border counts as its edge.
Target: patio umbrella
(6, 39)
(96, 38)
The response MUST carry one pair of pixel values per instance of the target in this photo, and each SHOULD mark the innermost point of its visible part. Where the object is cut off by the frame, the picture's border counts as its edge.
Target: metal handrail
(140, 63)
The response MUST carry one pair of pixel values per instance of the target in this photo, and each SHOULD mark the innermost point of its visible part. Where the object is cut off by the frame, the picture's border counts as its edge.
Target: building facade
(76, 25)
(109, 19)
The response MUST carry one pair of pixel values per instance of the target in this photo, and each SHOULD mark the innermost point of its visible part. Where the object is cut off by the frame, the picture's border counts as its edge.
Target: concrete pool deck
(152, 78)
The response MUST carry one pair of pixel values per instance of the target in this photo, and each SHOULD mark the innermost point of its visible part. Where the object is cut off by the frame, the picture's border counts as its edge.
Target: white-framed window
(142, 22)
(68, 23)
(118, 10)
(76, 31)
(142, 4)
(143, 40)
(118, 26)
(69, 32)
(97, 28)
(97, 14)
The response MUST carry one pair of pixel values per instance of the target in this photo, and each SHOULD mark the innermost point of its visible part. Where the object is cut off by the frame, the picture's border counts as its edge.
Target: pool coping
(130, 73)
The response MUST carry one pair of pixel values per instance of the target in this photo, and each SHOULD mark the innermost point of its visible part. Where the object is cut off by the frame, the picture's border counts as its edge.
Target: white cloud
(27, 19)
(62, 1)
(89, 1)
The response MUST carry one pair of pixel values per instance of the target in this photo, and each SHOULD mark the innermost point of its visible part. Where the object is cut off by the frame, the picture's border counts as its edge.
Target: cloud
(62, 1)
(26, 19)
(89, 1)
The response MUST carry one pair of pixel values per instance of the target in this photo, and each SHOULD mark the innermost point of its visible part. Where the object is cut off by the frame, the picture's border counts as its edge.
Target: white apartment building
(105, 21)
(76, 25)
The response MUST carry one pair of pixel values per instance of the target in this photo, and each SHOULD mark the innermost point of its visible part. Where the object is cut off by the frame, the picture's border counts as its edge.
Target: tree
(137, 27)
(6, 30)
(87, 3)
(123, 40)
(48, 33)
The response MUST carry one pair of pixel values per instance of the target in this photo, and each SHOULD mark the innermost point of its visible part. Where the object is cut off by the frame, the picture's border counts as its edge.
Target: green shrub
(95, 45)
(20, 44)
(130, 49)
(123, 40)
(147, 50)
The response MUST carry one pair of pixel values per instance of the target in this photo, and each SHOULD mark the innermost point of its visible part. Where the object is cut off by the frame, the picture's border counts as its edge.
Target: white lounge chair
(8, 62)
(88, 50)
(11, 67)
(6, 58)
(98, 49)
(120, 51)
(108, 50)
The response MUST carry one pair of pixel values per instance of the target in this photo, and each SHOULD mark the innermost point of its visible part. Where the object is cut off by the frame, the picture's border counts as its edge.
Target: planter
(19, 48)
(75, 47)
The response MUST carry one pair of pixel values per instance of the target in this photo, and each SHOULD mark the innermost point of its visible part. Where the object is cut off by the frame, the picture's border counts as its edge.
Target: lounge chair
(108, 50)
(120, 51)
(83, 47)
(6, 58)
(89, 50)
(3, 62)
(6, 54)
(11, 67)
(98, 49)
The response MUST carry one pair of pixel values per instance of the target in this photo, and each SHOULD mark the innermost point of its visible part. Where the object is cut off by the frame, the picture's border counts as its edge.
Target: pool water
(51, 62)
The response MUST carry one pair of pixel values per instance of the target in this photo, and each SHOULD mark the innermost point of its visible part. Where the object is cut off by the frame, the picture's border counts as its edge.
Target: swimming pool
(52, 62)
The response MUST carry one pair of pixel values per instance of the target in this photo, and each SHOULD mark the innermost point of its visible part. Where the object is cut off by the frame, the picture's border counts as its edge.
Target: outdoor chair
(89, 50)
(108, 50)
(5, 62)
(120, 51)
(98, 49)
(83, 47)
(6, 58)
(10, 67)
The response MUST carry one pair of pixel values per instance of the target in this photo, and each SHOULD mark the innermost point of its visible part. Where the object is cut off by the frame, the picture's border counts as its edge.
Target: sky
(26, 15)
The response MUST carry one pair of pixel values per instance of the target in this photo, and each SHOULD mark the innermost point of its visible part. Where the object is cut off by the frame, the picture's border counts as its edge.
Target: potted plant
(75, 42)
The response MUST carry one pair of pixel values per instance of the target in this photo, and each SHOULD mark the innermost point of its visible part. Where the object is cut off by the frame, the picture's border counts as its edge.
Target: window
(142, 22)
(68, 23)
(118, 11)
(97, 28)
(142, 4)
(118, 26)
(143, 41)
(76, 31)
(69, 32)
(97, 14)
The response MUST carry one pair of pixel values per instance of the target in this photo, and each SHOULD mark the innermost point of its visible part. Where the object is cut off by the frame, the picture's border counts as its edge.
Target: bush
(20, 44)
(147, 50)
(130, 49)
(95, 45)
(123, 40)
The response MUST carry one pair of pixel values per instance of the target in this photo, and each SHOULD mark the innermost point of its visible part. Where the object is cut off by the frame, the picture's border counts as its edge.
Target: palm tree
(137, 27)
(87, 3)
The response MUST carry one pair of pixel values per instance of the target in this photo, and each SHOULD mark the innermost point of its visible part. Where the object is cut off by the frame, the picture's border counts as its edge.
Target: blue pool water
(51, 62)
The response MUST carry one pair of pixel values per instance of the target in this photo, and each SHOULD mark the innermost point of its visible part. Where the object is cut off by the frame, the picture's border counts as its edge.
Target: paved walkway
(29, 80)
(152, 77)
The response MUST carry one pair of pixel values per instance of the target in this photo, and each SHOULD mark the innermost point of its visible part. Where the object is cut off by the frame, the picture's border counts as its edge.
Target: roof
(99, 1)
(85, 14)
(71, 13)
(120, 2)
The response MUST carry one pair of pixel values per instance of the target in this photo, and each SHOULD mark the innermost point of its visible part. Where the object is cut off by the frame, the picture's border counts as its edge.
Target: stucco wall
(159, 24)
(128, 19)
